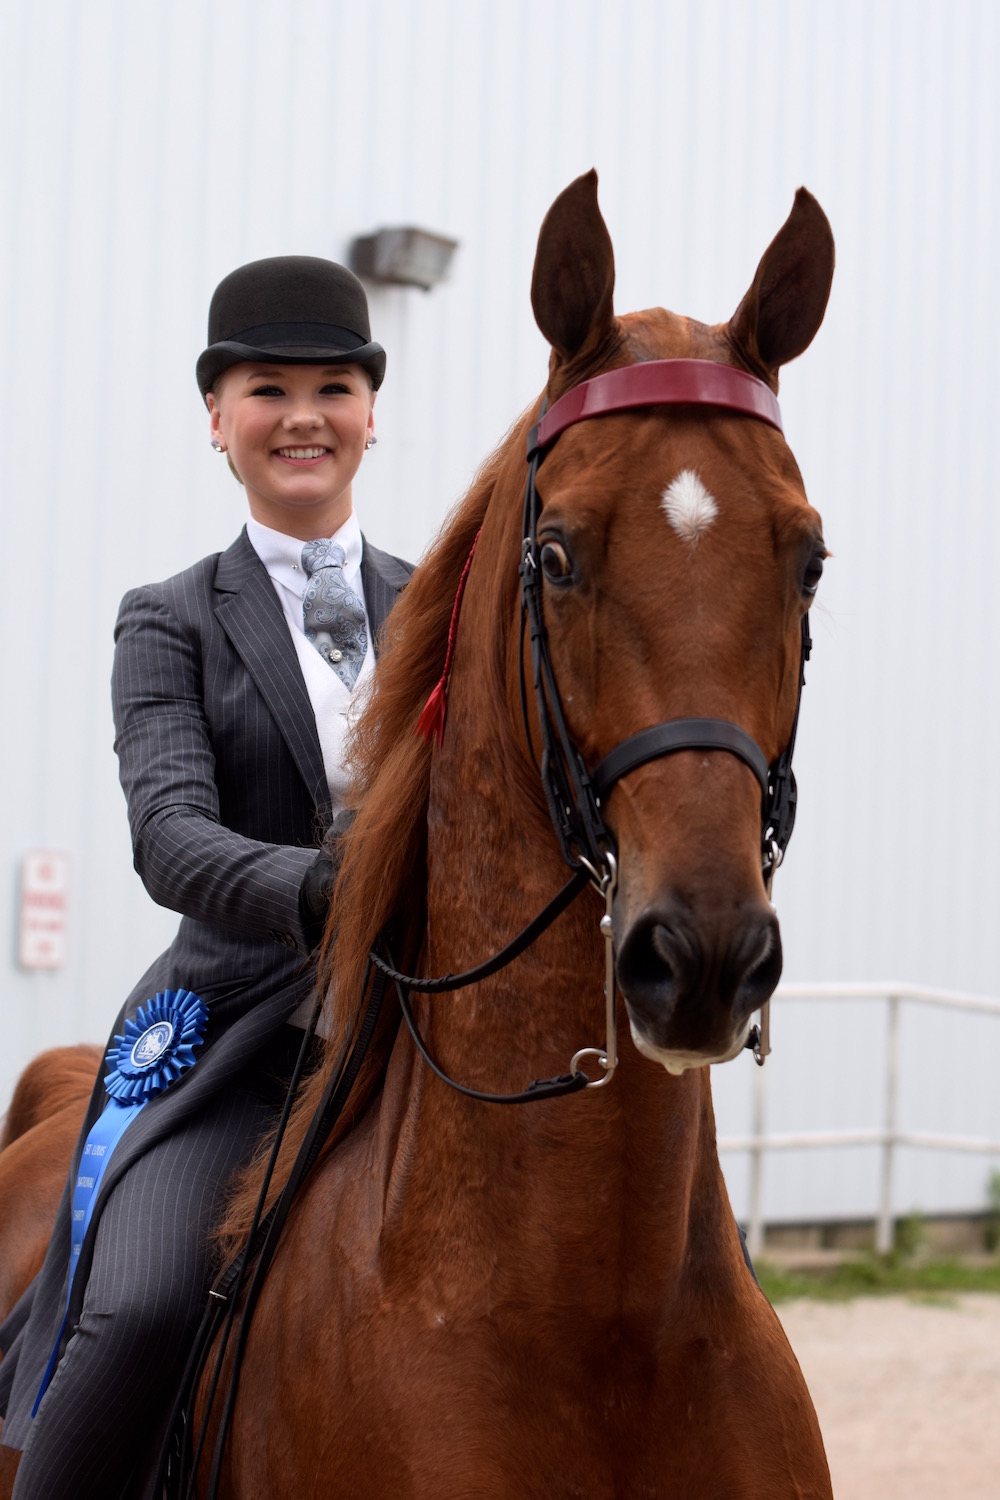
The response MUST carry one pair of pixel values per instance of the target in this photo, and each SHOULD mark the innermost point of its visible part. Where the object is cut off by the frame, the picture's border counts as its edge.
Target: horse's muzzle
(691, 984)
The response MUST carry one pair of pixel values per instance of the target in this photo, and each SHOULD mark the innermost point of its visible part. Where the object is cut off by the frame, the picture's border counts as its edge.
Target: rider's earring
(371, 441)
(217, 446)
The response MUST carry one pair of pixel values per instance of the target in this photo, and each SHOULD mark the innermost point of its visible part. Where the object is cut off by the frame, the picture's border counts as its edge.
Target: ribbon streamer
(152, 1052)
(432, 715)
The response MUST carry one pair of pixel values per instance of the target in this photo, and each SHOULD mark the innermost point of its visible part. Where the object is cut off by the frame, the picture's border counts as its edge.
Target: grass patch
(879, 1276)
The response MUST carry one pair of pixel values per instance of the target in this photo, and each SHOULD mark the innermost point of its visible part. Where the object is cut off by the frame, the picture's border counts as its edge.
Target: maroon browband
(660, 382)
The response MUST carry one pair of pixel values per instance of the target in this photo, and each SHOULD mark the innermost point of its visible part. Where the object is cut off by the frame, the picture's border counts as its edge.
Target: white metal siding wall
(147, 149)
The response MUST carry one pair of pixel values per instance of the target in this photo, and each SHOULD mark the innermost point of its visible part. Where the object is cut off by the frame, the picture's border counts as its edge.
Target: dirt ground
(907, 1392)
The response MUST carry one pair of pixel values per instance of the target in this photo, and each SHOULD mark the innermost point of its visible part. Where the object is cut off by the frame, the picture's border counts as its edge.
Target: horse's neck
(588, 1184)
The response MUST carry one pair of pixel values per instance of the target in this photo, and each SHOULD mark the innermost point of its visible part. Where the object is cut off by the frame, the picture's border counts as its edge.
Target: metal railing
(889, 1137)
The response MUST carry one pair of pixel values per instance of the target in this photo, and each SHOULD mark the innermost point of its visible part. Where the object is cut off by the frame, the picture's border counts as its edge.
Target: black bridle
(573, 792)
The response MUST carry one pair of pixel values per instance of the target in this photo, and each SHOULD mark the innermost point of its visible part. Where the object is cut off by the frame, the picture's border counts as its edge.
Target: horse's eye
(813, 573)
(555, 562)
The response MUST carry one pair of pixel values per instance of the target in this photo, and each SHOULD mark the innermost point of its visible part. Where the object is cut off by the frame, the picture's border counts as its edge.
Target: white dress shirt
(334, 705)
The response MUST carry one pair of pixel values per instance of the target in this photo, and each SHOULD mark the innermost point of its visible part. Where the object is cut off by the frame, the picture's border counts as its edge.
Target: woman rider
(232, 687)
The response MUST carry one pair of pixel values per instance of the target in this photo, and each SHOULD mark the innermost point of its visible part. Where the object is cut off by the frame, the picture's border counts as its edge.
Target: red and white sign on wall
(44, 909)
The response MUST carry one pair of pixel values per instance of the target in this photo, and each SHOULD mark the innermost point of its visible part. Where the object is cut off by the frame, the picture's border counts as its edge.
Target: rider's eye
(555, 562)
(813, 573)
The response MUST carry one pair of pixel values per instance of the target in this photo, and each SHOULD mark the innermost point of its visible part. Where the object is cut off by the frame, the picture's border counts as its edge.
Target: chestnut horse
(550, 1298)
(36, 1146)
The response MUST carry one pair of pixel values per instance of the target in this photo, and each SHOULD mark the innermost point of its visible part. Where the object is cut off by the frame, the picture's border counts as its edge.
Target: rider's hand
(316, 890)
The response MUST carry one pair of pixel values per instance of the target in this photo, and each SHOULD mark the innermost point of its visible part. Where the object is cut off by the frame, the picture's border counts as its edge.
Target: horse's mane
(382, 878)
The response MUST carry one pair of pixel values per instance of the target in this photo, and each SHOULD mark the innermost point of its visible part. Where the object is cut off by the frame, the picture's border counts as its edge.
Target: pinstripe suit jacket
(227, 799)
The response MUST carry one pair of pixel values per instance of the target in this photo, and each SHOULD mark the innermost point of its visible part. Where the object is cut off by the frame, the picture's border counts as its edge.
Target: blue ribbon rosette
(152, 1053)
(155, 1048)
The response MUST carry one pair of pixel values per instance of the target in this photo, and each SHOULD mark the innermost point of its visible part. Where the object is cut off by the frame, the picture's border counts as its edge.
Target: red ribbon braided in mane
(432, 717)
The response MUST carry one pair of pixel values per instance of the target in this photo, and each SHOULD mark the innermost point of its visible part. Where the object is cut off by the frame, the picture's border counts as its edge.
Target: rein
(181, 1451)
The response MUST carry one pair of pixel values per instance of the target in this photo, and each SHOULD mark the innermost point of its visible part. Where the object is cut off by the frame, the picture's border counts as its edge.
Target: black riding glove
(314, 897)
(316, 890)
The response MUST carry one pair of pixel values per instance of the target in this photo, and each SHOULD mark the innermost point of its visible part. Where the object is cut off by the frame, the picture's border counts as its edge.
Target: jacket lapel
(383, 577)
(249, 612)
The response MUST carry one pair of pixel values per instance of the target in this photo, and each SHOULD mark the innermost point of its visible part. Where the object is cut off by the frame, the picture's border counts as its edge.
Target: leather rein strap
(574, 793)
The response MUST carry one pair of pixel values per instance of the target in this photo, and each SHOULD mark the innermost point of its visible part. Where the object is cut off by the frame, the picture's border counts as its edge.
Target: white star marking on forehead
(688, 506)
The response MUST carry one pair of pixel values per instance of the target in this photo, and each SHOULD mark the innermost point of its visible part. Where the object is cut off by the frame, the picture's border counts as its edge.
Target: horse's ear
(574, 276)
(784, 307)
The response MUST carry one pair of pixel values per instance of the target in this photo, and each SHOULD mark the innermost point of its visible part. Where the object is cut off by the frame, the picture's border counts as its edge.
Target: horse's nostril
(652, 962)
(661, 945)
(761, 967)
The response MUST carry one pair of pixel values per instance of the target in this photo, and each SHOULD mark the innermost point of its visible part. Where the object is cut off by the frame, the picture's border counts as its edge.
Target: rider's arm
(187, 859)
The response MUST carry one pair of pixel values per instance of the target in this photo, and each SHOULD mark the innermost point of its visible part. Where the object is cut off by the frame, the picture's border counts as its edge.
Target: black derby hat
(294, 309)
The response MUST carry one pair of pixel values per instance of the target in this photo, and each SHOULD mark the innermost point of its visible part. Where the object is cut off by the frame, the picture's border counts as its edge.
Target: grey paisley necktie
(333, 615)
